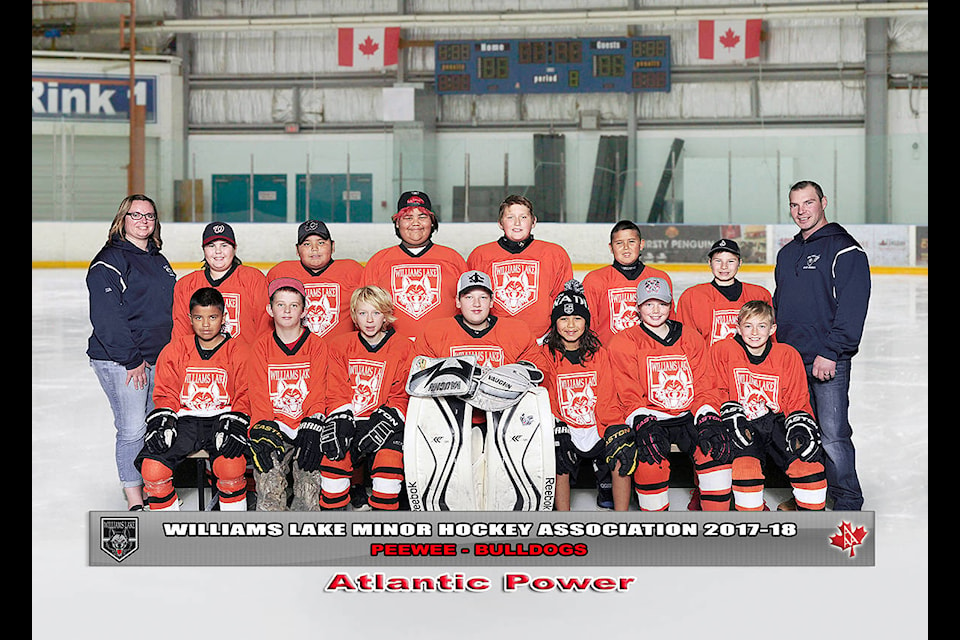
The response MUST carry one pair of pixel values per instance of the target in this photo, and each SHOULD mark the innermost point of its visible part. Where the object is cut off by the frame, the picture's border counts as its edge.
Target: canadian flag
(368, 48)
(729, 40)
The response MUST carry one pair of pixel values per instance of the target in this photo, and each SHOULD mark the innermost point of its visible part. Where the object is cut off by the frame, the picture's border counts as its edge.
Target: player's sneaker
(694, 504)
(358, 498)
(605, 498)
(788, 505)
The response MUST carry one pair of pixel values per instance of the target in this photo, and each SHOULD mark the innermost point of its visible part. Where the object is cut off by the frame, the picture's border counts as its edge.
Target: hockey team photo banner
(483, 539)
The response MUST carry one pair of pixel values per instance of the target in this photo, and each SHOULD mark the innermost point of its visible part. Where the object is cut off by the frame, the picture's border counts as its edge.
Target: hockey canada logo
(847, 538)
(119, 537)
(670, 381)
(623, 308)
(416, 288)
(516, 284)
(323, 307)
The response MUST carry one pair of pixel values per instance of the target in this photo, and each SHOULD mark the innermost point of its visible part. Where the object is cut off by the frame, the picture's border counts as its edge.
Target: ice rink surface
(74, 473)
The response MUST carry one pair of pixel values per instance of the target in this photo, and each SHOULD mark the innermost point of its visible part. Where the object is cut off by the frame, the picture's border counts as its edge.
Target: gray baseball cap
(472, 279)
(653, 289)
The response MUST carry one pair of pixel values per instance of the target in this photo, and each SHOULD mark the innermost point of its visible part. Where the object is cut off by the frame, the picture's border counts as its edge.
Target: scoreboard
(577, 65)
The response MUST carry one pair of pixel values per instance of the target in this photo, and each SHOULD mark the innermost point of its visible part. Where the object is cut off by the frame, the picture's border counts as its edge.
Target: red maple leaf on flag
(368, 47)
(729, 39)
(848, 538)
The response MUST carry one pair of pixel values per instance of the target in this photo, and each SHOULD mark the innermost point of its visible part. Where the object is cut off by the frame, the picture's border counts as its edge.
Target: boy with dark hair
(327, 281)
(288, 387)
(420, 276)
(527, 274)
(611, 291)
(201, 399)
(766, 408)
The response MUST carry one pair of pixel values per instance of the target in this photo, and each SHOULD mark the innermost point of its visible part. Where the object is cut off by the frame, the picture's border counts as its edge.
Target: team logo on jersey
(231, 313)
(119, 537)
(516, 284)
(204, 390)
(576, 393)
(758, 393)
(487, 355)
(416, 288)
(288, 385)
(670, 382)
(323, 307)
(622, 304)
(724, 324)
(366, 378)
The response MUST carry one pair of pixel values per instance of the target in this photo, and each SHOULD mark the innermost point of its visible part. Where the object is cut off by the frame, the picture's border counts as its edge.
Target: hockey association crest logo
(622, 305)
(416, 288)
(323, 307)
(516, 284)
(119, 537)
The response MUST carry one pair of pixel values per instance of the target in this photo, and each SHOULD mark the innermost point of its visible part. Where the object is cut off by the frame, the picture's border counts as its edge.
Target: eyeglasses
(136, 215)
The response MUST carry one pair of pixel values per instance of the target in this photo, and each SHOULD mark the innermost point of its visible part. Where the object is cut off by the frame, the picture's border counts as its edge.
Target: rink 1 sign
(89, 97)
(494, 539)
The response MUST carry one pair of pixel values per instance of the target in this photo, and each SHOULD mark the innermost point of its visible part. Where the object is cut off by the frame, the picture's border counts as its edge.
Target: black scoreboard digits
(622, 65)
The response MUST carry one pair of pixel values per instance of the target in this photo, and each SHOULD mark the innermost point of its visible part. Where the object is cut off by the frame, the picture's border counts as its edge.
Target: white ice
(74, 472)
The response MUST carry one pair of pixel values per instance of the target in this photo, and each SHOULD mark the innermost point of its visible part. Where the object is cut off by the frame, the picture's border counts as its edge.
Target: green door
(231, 198)
(333, 200)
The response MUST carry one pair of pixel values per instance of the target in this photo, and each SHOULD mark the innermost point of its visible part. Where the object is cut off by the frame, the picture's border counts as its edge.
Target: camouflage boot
(271, 488)
(306, 490)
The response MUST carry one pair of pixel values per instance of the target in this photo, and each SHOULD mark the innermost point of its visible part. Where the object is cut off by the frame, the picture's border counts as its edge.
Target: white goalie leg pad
(438, 455)
(521, 463)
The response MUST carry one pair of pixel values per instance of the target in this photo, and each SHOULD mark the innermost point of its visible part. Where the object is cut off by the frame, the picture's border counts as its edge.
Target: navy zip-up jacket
(131, 303)
(822, 292)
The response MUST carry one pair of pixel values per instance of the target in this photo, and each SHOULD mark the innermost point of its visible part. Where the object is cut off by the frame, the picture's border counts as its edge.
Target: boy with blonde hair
(766, 408)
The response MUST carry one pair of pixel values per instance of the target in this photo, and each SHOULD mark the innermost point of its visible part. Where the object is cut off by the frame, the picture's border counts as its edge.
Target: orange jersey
(665, 378)
(195, 384)
(705, 309)
(612, 299)
(288, 382)
(328, 294)
(244, 291)
(525, 283)
(422, 286)
(371, 376)
(773, 382)
(575, 392)
(506, 341)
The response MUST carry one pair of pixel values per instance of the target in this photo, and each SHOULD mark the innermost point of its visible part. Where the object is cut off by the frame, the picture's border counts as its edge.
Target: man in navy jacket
(822, 291)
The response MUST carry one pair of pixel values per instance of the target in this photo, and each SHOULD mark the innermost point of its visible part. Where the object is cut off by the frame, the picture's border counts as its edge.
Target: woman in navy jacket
(131, 300)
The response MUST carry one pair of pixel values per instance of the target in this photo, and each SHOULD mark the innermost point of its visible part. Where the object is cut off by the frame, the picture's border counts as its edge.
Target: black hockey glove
(161, 431)
(307, 443)
(337, 434)
(566, 454)
(266, 439)
(653, 446)
(620, 445)
(735, 420)
(230, 437)
(713, 438)
(381, 425)
(803, 436)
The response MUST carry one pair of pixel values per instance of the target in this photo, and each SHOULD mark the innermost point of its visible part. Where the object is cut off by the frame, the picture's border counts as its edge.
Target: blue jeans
(130, 407)
(831, 402)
